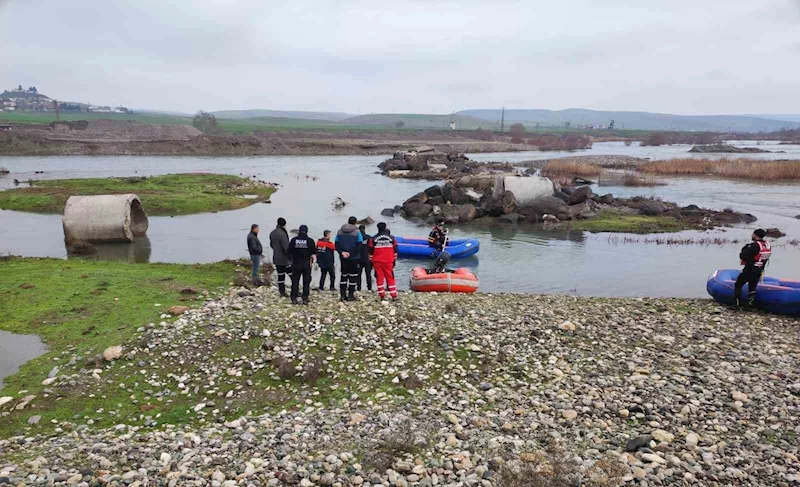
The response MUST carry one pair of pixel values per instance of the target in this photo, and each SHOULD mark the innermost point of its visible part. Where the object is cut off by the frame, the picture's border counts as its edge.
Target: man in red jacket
(383, 254)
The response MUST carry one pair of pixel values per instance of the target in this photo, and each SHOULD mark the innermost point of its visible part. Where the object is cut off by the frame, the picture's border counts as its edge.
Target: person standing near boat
(754, 256)
(279, 241)
(302, 250)
(365, 266)
(348, 243)
(255, 249)
(438, 235)
(383, 254)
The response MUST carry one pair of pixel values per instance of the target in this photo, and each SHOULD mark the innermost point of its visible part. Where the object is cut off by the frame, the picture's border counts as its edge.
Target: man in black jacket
(365, 265)
(302, 251)
(754, 257)
(255, 249)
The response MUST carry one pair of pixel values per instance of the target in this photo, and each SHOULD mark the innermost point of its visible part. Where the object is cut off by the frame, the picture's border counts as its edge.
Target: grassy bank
(740, 168)
(79, 308)
(172, 194)
(621, 222)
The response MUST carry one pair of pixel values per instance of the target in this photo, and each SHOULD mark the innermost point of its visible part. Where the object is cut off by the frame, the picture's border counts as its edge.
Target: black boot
(343, 294)
(351, 296)
(282, 290)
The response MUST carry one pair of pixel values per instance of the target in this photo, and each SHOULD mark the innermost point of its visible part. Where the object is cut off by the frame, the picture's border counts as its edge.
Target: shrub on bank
(566, 142)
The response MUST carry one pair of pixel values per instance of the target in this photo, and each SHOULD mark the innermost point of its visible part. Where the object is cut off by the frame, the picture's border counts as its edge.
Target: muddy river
(511, 259)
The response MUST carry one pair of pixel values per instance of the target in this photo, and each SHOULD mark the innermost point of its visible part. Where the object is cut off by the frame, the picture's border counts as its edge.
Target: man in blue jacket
(348, 243)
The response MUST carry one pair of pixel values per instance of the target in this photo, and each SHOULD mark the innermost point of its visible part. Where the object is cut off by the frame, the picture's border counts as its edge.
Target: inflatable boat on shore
(458, 281)
(418, 247)
(774, 295)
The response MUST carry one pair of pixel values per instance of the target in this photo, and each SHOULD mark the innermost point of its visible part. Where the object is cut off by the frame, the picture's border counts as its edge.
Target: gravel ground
(437, 390)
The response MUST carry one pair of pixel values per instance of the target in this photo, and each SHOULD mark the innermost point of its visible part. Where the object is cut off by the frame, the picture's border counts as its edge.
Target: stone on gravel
(112, 353)
(177, 310)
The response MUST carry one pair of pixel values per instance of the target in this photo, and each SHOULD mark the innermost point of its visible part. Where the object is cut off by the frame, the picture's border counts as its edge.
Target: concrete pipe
(104, 218)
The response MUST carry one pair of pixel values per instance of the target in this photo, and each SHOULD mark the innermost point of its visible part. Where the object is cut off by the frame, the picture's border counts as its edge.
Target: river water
(512, 258)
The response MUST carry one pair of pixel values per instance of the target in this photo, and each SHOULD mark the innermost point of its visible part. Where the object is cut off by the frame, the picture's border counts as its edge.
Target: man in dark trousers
(754, 257)
(438, 235)
(255, 249)
(383, 252)
(326, 260)
(279, 241)
(365, 265)
(302, 251)
(348, 243)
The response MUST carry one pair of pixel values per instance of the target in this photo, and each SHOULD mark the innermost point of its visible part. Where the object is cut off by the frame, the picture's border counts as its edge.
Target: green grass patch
(172, 194)
(79, 308)
(619, 222)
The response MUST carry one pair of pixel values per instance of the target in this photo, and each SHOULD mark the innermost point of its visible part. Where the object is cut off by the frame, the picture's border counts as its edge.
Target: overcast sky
(676, 56)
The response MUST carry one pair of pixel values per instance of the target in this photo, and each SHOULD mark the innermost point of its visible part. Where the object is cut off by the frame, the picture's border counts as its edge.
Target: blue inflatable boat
(418, 247)
(774, 295)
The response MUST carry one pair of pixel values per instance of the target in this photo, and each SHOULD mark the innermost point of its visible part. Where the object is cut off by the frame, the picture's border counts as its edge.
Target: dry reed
(740, 168)
(569, 168)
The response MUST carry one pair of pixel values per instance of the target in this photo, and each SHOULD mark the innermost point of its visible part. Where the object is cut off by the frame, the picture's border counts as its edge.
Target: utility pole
(502, 120)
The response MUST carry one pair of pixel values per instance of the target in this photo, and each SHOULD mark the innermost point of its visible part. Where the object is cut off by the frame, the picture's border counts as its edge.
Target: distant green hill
(246, 114)
(633, 120)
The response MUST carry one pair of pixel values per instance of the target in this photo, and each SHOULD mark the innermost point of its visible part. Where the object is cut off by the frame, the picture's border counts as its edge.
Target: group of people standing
(358, 253)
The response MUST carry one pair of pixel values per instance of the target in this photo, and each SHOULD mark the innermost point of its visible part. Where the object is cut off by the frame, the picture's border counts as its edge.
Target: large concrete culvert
(104, 218)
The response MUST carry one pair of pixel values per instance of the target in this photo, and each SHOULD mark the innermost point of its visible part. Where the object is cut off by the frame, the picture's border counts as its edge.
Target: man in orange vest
(754, 257)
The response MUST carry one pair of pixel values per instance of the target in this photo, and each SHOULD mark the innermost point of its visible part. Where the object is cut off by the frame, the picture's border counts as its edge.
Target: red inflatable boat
(459, 281)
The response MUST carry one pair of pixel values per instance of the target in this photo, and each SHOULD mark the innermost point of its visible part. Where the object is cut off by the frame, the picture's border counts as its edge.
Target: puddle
(15, 350)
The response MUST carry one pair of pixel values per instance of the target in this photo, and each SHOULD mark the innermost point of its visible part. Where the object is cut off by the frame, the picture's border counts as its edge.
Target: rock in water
(550, 205)
(112, 353)
(580, 195)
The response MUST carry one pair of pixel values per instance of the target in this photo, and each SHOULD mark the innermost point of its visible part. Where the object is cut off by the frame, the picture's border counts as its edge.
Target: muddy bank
(726, 149)
(20, 143)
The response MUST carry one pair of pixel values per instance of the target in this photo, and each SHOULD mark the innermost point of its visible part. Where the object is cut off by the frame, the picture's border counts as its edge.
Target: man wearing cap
(383, 254)
(302, 251)
(754, 256)
(438, 235)
(279, 241)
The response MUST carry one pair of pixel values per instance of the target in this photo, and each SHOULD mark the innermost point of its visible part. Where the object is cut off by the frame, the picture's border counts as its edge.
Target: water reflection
(137, 252)
(15, 350)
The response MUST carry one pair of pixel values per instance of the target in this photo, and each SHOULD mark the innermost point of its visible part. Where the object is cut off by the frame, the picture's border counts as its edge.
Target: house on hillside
(25, 100)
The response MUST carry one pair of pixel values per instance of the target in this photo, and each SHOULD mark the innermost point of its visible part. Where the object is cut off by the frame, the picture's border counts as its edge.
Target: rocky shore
(433, 390)
(492, 196)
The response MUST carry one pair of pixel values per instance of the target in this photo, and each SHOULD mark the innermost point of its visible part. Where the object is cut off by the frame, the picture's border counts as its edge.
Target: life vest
(764, 253)
(383, 248)
(324, 247)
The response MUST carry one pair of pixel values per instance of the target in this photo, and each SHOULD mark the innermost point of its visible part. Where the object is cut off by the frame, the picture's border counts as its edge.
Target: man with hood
(348, 243)
(302, 251)
(279, 241)
(754, 256)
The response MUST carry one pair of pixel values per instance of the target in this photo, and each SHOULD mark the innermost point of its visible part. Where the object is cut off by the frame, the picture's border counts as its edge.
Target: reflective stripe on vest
(764, 253)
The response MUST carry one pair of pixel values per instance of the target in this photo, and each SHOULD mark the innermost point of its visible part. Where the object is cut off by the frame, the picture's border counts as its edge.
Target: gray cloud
(679, 56)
